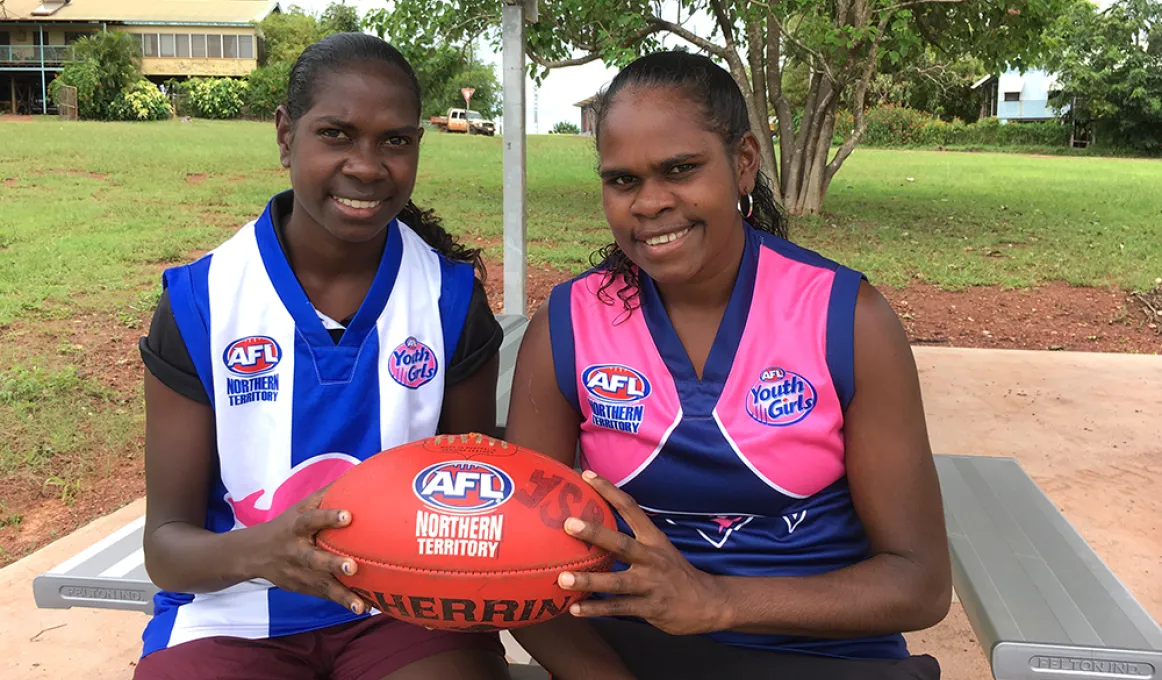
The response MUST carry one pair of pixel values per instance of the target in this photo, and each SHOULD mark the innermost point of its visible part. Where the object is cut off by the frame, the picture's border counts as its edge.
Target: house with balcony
(177, 39)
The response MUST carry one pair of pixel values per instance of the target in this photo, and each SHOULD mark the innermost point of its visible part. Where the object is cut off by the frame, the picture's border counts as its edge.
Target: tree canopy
(836, 47)
(1108, 66)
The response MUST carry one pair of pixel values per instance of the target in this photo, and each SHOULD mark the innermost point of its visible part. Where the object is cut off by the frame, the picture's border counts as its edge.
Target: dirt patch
(72, 173)
(195, 178)
(1051, 317)
(37, 509)
(11, 181)
(541, 279)
(9, 118)
(39, 514)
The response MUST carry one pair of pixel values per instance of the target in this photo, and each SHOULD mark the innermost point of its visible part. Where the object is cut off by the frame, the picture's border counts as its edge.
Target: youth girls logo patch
(614, 391)
(413, 364)
(780, 398)
(463, 487)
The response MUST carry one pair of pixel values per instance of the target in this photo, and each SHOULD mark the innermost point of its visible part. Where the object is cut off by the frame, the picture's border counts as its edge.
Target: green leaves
(1110, 73)
(107, 65)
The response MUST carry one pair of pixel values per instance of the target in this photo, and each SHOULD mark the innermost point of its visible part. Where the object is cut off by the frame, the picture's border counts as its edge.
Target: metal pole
(515, 227)
(43, 84)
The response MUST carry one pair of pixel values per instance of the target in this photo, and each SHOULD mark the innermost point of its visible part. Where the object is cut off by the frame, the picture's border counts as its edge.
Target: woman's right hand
(290, 559)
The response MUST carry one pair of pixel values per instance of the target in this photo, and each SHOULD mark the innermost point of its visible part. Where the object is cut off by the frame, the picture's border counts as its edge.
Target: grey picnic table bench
(1042, 603)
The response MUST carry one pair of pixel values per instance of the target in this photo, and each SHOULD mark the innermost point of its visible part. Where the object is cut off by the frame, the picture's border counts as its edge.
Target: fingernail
(574, 525)
(343, 516)
(348, 567)
(589, 474)
(566, 580)
(575, 610)
(355, 608)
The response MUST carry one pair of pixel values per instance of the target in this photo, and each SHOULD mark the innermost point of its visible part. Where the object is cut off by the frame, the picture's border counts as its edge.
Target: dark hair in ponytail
(344, 49)
(710, 87)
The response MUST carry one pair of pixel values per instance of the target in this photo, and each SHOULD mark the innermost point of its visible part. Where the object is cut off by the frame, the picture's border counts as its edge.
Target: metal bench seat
(1042, 603)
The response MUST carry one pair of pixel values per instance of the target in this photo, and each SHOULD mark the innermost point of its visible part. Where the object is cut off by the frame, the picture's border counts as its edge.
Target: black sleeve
(479, 340)
(166, 356)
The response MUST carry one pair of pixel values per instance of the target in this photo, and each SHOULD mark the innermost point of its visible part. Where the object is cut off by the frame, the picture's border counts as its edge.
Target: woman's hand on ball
(290, 559)
(660, 586)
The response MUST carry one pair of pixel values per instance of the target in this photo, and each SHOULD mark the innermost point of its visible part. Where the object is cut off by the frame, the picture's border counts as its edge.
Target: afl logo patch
(253, 355)
(615, 384)
(413, 364)
(463, 487)
(780, 398)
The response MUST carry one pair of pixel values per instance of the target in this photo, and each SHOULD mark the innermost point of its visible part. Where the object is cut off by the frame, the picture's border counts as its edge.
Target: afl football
(464, 532)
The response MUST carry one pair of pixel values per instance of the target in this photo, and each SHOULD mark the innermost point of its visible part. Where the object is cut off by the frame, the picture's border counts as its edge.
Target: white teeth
(361, 205)
(666, 238)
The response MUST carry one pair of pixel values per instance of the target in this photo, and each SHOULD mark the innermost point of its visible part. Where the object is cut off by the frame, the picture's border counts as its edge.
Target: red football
(465, 532)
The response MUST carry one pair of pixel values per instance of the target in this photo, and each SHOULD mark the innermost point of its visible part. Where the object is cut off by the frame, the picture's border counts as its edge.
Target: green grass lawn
(90, 212)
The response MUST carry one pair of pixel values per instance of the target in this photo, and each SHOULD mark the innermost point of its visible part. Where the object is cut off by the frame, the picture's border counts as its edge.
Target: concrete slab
(1085, 426)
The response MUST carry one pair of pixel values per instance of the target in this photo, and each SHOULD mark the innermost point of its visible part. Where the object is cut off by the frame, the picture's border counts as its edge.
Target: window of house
(198, 46)
(183, 46)
(1012, 96)
(140, 41)
(214, 46)
(168, 45)
(230, 46)
(73, 36)
(246, 46)
(5, 38)
(151, 45)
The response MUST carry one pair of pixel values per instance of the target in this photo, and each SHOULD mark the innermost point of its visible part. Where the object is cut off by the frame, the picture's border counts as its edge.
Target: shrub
(266, 89)
(893, 125)
(565, 128)
(106, 66)
(144, 101)
(216, 97)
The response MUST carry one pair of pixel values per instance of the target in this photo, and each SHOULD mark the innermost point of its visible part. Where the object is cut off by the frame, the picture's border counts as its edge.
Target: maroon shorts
(367, 649)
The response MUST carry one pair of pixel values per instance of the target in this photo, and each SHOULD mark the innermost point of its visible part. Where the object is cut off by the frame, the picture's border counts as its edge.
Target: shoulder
(795, 252)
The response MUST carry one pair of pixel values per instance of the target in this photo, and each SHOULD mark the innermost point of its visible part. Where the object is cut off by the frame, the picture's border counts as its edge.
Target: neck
(711, 288)
(315, 254)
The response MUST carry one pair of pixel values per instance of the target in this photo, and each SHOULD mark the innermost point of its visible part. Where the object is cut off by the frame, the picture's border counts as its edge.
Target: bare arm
(181, 555)
(541, 419)
(470, 405)
(904, 585)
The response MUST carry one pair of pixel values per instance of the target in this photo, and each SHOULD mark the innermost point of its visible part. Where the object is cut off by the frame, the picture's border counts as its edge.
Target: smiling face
(353, 154)
(670, 186)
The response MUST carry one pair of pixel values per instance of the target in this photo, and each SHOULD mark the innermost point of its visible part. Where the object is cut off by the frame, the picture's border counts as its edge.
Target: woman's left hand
(660, 585)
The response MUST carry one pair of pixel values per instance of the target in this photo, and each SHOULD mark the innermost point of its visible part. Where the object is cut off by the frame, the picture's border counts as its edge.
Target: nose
(365, 164)
(652, 199)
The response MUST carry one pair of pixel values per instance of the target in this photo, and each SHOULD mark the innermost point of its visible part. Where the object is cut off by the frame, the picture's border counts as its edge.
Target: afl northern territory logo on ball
(780, 398)
(413, 364)
(463, 487)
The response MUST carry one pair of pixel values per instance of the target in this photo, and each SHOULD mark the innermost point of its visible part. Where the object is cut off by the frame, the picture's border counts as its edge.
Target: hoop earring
(749, 206)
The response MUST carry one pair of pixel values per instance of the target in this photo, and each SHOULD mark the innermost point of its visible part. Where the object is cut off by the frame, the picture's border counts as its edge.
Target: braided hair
(712, 89)
(342, 49)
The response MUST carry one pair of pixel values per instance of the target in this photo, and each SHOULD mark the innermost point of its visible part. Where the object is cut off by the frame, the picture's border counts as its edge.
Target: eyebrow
(607, 173)
(340, 123)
